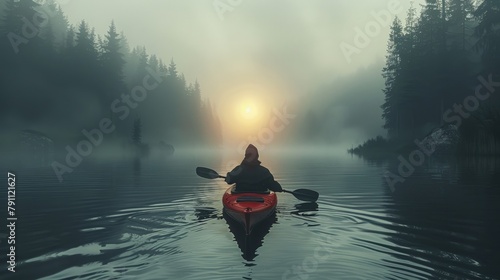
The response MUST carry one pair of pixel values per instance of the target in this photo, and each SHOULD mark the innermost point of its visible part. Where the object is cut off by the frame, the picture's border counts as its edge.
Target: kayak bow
(249, 209)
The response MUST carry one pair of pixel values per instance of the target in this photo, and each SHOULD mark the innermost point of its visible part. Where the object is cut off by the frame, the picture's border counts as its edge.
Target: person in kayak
(250, 176)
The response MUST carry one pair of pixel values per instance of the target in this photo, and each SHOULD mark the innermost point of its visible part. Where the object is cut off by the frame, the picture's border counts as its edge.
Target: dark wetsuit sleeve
(232, 177)
(273, 185)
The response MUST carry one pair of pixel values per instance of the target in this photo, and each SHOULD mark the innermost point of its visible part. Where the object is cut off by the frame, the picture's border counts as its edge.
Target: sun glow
(249, 111)
(249, 116)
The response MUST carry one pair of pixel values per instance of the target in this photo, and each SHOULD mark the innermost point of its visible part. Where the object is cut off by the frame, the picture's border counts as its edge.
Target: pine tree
(85, 43)
(197, 90)
(112, 58)
(195, 93)
(410, 30)
(124, 46)
(390, 73)
(143, 57)
(27, 9)
(182, 82)
(430, 27)
(49, 37)
(10, 21)
(137, 132)
(84, 60)
(488, 31)
(460, 16)
(69, 43)
(142, 65)
(113, 63)
(172, 70)
(154, 63)
(55, 31)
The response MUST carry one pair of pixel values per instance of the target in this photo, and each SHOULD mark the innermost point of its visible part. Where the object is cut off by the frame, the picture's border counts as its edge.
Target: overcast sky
(259, 50)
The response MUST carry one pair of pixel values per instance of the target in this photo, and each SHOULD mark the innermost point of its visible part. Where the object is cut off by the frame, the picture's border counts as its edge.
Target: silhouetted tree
(430, 27)
(488, 32)
(124, 46)
(112, 58)
(70, 39)
(10, 21)
(460, 18)
(55, 31)
(113, 62)
(392, 103)
(137, 132)
(26, 9)
(172, 70)
(154, 63)
(85, 43)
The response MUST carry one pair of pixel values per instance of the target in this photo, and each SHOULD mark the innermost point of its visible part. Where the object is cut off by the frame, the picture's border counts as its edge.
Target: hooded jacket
(251, 176)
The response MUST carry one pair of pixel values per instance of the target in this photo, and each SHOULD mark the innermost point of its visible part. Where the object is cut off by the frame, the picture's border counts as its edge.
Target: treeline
(60, 79)
(432, 72)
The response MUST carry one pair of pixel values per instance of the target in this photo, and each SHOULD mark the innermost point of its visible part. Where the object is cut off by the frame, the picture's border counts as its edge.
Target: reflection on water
(249, 244)
(156, 220)
(137, 166)
(306, 209)
(137, 171)
(449, 205)
(205, 213)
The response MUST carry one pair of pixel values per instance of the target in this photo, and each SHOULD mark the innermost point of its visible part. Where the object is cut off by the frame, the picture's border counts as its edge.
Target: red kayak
(249, 209)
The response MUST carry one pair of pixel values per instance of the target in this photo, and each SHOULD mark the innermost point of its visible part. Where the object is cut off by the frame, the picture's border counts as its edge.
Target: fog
(270, 52)
(140, 76)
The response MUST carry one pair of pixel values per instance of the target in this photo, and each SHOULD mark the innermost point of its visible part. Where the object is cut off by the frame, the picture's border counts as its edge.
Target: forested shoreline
(58, 79)
(443, 68)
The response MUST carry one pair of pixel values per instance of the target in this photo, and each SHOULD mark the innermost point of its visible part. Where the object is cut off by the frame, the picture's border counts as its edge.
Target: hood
(251, 156)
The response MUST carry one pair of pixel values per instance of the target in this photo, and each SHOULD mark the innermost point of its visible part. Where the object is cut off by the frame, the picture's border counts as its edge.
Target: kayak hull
(249, 209)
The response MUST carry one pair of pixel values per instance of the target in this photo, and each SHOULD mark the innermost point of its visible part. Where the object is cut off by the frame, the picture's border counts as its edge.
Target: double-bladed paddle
(301, 194)
(208, 173)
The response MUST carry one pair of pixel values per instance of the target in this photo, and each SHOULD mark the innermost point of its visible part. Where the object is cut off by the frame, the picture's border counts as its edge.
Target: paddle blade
(306, 195)
(207, 173)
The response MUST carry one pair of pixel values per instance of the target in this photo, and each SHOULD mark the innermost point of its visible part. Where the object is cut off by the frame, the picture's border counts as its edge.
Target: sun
(248, 115)
(249, 112)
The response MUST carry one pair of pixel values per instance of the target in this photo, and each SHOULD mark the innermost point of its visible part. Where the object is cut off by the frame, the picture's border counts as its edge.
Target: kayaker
(250, 176)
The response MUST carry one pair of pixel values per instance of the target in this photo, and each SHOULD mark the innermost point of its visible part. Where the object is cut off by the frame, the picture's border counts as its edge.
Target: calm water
(154, 219)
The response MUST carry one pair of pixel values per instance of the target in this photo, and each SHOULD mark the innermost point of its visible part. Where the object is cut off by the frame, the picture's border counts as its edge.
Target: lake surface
(155, 219)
